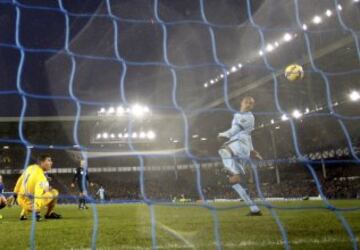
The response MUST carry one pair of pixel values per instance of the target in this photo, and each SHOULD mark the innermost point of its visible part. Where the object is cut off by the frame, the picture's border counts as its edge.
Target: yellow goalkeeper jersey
(32, 183)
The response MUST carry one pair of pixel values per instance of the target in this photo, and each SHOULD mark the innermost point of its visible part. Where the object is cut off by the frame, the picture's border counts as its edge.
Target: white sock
(241, 191)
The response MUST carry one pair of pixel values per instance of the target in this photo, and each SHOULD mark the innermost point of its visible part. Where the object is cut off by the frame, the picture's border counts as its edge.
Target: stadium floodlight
(304, 27)
(339, 7)
(328, 13)
(175, 141)
(142, 135)
(203, 138)
(240, 65)
(120, 135)
(221, 76)
(354, 96)
(277, 127)
(105, 135)
(296, 114)
(102, 110)
(269, 47)
(195, 136)
(356, 1)
(150, 135)
(212, 82)
(276, 44)
(287, 37)
(120, 110)
(317, 20)
(111, 110)
(98, 136)
(112, 136)
(261, 53)
(134, 135)
(272, 121)
(233, 69)
(146, 109)
(126, 135)
(206, 85)
(284, 117)
(307, 111)
(137, 110)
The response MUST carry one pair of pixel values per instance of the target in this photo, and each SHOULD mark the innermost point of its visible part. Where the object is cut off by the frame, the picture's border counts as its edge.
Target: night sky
(41, 29)
(100, 78)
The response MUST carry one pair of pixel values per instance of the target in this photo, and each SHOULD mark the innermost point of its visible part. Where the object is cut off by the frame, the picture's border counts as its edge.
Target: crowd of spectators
(340, 183)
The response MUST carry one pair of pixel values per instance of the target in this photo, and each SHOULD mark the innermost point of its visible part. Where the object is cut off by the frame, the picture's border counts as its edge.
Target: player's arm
(75, 178)
(239, 123)
(255, 155)
(88, 179)
(232, 131)
(12, 199)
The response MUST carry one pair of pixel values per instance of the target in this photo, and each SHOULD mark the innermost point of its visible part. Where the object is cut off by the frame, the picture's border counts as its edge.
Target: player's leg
(26, 207)
(50, 201)
(236, 167)
(84, 194)
(235, 180)
(81, 203)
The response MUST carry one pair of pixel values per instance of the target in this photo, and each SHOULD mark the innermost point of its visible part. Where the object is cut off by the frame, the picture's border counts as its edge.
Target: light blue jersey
(237, 150)
(241, 126)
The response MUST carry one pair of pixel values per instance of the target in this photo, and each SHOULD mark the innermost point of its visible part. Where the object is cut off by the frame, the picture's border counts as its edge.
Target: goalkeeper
(236, 152)
(33, 192)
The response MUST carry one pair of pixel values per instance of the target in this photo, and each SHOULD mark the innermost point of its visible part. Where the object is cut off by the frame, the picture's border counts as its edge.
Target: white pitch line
(232, 245)
(176, 235)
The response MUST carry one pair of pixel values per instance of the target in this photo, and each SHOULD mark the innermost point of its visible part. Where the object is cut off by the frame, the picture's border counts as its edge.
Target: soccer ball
(294, 72)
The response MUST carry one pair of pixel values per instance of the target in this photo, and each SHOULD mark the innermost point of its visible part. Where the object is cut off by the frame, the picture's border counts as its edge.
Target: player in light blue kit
(235, 153)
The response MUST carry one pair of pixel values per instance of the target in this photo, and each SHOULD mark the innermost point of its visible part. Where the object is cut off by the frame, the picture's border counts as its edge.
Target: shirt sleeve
(240, 123)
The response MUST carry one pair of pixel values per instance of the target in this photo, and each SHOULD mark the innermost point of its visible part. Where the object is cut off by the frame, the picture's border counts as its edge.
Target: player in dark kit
(81, 178)
(3, 201)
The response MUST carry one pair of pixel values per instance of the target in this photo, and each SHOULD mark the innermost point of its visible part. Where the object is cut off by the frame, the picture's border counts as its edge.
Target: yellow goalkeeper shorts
(27, 203)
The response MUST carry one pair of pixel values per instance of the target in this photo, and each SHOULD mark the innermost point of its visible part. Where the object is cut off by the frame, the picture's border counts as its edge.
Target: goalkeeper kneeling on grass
(32, 190)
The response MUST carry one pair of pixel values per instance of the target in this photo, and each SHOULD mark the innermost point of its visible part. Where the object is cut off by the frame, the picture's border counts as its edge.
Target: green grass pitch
(127, 226)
